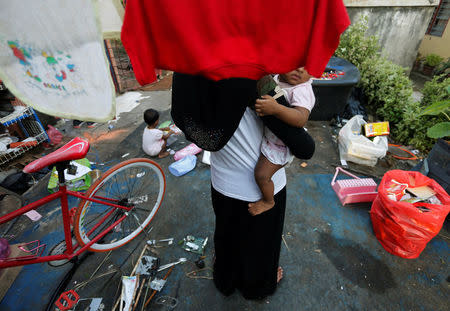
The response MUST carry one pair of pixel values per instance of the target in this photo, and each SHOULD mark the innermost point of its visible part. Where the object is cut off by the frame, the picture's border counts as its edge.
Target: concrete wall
(111, 14)
(436, 45)
(400, 25)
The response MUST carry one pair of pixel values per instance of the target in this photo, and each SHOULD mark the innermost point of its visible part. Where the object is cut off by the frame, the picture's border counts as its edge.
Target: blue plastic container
(183, 166)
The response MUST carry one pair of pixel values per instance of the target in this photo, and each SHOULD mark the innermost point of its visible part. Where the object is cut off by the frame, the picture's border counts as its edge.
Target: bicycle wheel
(137, 183)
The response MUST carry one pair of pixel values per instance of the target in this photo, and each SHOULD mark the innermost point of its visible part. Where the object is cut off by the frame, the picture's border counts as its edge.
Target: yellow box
(376, 129)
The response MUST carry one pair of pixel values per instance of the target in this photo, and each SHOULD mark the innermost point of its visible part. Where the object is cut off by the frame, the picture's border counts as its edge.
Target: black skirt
(247, 248)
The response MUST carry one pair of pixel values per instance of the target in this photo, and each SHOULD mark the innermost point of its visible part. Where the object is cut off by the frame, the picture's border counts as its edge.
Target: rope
(413, 156)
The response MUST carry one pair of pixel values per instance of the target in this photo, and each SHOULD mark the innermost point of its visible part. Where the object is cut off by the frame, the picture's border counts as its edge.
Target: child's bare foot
(260, 207)
(279, 274)
(163, 154)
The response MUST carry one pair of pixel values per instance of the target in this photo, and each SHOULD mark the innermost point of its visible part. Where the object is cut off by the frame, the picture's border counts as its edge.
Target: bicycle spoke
(137, 184)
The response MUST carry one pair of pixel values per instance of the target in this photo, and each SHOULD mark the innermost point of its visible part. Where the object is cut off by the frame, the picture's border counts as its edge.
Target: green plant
(416, 123)
(440, 129)
(387, 88)
(433, 60)
(443, 68)
(356, 46)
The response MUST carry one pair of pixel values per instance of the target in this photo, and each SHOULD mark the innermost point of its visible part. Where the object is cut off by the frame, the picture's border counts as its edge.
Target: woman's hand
(266, 106)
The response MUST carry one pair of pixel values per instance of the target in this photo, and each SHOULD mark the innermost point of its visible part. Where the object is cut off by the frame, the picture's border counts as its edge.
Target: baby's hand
(266, 106)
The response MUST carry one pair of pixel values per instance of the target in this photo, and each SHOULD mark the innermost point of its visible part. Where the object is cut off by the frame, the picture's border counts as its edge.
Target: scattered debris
(90, 304)
(145, 265)
(193, 244)
(67, 300)
(83, 284)
(129, 285)
(155, 242)
(126, 155)
(33, 215)
(285, 244)
(200, 263)
(154, 291)
(194, 274)
(206, 157)
(169, 302)
(304, 164)
(169, 265)
(157, 284)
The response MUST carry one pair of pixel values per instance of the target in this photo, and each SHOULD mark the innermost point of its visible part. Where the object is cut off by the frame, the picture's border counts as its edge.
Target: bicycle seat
(75, 149)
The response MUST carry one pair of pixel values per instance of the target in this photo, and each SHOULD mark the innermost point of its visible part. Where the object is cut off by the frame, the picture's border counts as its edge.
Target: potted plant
(431, 61)
(418, 63)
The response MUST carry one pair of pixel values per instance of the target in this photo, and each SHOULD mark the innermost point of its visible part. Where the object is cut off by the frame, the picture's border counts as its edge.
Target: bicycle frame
(62, 194)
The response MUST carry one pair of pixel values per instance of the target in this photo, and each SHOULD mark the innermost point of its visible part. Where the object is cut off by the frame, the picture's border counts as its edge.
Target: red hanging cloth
(233, 38)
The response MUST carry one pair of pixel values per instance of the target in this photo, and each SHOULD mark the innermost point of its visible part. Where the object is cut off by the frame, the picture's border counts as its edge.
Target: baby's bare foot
(259, 207)
(279, 274)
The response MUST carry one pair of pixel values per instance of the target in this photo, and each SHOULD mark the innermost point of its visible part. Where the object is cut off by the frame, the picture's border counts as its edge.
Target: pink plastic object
(5, 250)
(354, 190)
(54, 135)
(190, 149)
(33, 215)
(34, 248)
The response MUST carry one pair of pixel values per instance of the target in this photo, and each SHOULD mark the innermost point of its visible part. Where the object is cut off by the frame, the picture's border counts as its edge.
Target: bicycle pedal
(67, 300)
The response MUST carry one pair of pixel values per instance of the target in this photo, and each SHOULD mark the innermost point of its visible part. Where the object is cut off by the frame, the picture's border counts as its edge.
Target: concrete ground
(331, 258)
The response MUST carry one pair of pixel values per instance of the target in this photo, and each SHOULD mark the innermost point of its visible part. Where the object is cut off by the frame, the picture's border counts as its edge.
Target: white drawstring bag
(52, 58)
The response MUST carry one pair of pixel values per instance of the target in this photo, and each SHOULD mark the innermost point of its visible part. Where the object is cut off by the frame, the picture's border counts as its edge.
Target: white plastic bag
(357, 148)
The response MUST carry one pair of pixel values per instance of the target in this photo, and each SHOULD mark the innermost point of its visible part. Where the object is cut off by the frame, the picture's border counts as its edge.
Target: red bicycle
(115, 209)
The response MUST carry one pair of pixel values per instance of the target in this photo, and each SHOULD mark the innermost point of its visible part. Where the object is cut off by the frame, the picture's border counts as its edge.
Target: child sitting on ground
(297, 89)
(154, 140)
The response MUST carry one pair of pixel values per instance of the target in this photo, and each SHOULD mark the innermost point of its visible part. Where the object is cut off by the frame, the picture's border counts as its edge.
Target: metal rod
(30, 206)
(76, 194)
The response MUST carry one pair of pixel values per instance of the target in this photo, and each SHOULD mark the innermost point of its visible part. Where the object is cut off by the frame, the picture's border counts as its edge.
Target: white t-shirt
(232, 167)
(300, 95)
(152, 141)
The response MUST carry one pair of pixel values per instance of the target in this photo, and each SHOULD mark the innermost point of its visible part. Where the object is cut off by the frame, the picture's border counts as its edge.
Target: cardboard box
(376, 129)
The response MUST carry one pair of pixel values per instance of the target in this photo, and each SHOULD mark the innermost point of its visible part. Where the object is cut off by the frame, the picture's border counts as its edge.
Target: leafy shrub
(433, 60)
(355, 46)
(443, 68)
(387, 88)
(435, 90)
(413, 128)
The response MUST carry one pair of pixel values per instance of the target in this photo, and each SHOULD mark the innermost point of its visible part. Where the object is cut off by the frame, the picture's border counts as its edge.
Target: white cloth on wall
(52, 58)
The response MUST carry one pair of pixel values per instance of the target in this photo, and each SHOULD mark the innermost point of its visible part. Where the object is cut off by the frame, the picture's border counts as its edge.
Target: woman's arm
(295, 116)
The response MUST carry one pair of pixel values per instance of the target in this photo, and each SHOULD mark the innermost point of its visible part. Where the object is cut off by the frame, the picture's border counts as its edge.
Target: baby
(298, 91)
(154, 140)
